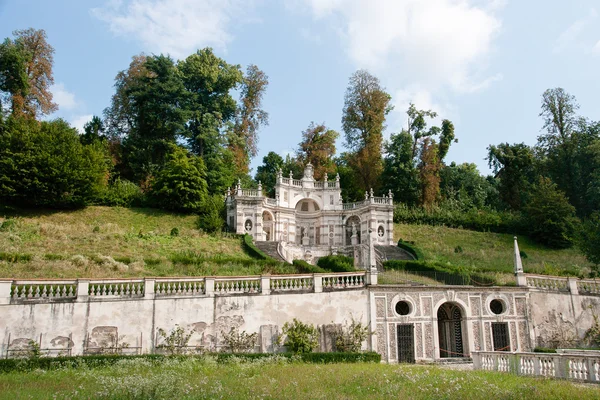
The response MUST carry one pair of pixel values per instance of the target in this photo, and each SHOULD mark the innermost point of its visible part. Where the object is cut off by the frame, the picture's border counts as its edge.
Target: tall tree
(14, 83)
(318, 148)
(366, 105)
(429, 173)
(400, 174)
(417, 126)
(514, 166)
(39, 57)
(267, 172)
(250, 118)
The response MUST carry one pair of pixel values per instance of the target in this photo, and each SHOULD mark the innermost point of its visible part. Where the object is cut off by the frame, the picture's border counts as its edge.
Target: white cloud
(177, 27)
(65, 99)
(571, 36)
(434, 42)
(79, 121)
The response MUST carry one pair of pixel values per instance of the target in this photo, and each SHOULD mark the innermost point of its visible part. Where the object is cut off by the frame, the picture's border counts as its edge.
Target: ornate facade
(309, 216)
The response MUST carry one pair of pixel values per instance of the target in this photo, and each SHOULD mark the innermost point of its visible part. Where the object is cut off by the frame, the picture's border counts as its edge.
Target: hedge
(252, 250)
(53, 363)
(306, 268)
(338, 263)
(412, 250)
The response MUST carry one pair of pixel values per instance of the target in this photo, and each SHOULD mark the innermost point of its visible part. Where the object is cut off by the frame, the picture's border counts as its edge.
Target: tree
(417, 126)
(45, 165)
(462, 187)
(181, 184)
(551, 218)
(267, 172)
(318, 148)
(93, 131)
(250, 117)
(212, 215)
(366, 105)
(39, 57)
(400, 174)
(589, 238)
(14, 83)
(429, 168)
(514, 166)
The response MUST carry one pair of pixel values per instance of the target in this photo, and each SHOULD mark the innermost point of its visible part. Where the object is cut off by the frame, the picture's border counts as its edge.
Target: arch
(268, 225)
(450, 318)
(352, 227)
(307, 205)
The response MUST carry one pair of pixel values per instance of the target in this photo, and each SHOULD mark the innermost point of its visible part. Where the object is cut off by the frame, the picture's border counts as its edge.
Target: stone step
(393, 253)
(270, 248)
(455, 360)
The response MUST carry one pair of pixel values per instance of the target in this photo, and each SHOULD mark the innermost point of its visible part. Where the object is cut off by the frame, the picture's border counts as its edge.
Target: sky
(483, 64)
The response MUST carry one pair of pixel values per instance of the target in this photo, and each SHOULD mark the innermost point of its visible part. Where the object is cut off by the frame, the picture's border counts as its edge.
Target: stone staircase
(270, 249)
(392, 253)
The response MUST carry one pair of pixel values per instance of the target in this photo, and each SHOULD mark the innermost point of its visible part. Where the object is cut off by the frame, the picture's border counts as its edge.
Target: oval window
(402, 308)
(497, 306)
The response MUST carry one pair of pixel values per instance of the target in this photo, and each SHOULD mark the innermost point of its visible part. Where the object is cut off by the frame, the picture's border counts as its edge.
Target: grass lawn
(264, 379)
(111, 242)
(485, 251)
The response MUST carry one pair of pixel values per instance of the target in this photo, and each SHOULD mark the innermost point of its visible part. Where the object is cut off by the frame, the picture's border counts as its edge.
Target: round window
(402, 308)
(497, 306)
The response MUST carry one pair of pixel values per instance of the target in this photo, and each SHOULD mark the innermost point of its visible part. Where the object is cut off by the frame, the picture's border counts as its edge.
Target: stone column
(149, 288)
(265, 284)
(83, 289)
(5, 287)
(318, 283)
(209, 286)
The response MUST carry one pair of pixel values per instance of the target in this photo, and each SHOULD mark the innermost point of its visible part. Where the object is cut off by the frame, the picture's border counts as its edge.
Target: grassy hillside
(486, 251)
(102, 242)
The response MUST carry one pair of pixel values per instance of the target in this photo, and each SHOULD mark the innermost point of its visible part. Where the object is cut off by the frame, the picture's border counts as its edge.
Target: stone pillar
(83, 289)
(209, 286)
(149, 288)
(572, 285)
(371, 277)
(265, 284)
(318, 283)
(5, 287)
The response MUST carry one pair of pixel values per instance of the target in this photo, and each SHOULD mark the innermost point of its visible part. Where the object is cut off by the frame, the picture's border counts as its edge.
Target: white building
(308, 218)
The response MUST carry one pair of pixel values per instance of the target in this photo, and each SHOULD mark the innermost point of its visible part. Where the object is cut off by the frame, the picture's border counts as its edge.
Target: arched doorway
(308, 226)
(450, 330)
(352, 229)
(268, 226)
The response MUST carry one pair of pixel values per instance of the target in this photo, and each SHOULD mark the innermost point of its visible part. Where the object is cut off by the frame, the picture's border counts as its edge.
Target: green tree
(366, 105)
(267, 172)
(429, 173)
(463, 187)
(589, 239)
(212, 216)
(513, 165)
(45, 165)
(181, 184)
(400, 174)
(417, 126)
(318, 148)
(14, 83)
(551, 218)
(93, 131)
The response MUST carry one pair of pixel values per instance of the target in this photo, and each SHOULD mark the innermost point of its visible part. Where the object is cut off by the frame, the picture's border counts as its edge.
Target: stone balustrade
(560, 284)
(577, 365)
(21, 291)
(547, 282)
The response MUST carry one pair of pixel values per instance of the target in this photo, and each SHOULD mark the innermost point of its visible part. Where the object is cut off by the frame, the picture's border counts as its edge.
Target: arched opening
(268, 226)
(308, 229)
(450, 331)
(352, 230)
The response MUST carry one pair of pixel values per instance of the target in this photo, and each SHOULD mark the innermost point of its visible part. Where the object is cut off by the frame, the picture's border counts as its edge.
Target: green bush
(175, 232)
(299, 337)
(306, 268)
(211, 216)
(122, 193)
(15, 257)
(338, 263)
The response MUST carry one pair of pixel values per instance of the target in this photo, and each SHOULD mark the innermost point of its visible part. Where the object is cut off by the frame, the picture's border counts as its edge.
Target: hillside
(485, 251)
(105, 242)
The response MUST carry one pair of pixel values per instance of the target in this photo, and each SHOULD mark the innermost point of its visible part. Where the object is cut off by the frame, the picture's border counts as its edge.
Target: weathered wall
(561, 319)
(136, 321)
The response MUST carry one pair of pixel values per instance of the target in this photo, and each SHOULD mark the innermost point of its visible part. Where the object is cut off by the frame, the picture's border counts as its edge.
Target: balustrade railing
(381, 200)
(179, 287)
(577, 365)
(547, 282)
(250, 192)
(51, 290)
(358, 204)
(296, 182)
(18, 291)
(117, 288)
(319, 184)
(272, 202)
(588, 286)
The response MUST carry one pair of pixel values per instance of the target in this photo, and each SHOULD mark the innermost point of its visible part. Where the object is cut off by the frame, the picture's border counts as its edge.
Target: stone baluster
(265, 284)
(149, 288)
(572, 285)
(318, 283)
(209, 286)
(83, 289)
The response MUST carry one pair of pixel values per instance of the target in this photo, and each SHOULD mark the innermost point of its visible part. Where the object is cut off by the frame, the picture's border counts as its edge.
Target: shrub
(176, 341)
(239, 342)
(299, 337)
(306, 268)
(15, 257)
(589, 239)
(349, 338)
(458, 249)
(122, 193)
(175, 232)
(212, 214)
(8, 225)
(338, 263)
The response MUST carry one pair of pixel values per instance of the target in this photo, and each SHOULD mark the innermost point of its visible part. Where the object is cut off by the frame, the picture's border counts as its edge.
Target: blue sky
(482, 64)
